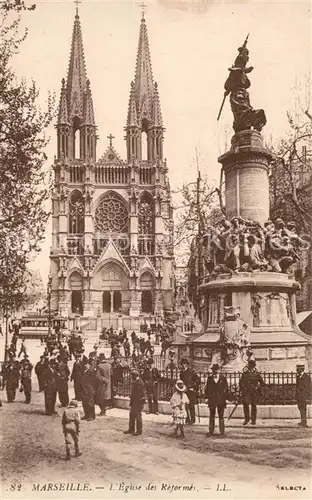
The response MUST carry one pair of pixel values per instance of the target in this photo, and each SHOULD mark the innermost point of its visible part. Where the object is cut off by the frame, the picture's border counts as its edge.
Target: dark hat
(300, 367)
(150, 361)
(185, 361)
(215, 367)
(251, 362)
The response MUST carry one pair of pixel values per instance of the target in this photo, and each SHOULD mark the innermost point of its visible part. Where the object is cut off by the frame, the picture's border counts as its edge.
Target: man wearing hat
(103, 392)
(49, 385)
(192, 382)
(216, 393)
(151, 378)
(70, 424)
(77, 373)
(250, 385)
(303, 392)
(88, 385)
(10, 374)
(137, 400)
(26, 369)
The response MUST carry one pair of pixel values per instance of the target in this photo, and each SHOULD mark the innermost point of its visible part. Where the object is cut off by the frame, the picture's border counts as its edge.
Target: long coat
(88, 385)
(104, 386)
(303, 389)
(137, 398)
(216, 392)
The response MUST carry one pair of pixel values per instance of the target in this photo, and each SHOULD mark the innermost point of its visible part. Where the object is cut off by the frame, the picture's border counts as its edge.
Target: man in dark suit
(216, 394)
(251, 384)
(49, 385)
(192, 382)
(11, 375)
(88, 385)
(77, 373)
(151, 378)
(137, 400)
(303, 392)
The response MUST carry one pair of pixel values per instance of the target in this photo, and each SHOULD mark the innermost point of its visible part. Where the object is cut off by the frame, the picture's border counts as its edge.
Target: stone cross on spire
(77, 2)
(110, 137)
(143, 8)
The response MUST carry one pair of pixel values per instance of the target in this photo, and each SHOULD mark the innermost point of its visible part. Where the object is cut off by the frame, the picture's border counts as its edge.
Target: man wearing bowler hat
(192, 382)
(251, 384)
(303, 392)
(216, 394)
(137, 400)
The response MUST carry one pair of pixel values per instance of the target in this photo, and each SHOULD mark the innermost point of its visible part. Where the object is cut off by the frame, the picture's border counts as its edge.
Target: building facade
(112, 226)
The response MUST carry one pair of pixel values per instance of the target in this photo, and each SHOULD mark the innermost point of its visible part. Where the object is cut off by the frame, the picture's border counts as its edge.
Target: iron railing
(279, 388)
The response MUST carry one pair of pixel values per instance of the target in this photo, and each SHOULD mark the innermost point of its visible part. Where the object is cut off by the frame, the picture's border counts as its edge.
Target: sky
(192, 46)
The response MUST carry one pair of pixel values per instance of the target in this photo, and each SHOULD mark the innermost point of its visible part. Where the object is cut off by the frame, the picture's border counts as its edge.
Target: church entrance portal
(147, 301)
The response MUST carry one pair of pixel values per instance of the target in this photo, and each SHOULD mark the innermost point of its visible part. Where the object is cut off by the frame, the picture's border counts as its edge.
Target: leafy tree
(199, 208)
(24, 184)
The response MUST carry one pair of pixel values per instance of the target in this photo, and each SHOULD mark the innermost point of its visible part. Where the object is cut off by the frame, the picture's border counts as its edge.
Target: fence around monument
(279, 389)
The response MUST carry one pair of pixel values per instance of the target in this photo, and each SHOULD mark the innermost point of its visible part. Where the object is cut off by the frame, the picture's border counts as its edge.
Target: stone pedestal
(246, 178)
(266, 303)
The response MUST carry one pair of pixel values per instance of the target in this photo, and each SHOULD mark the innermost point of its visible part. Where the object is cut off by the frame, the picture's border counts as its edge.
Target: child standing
(70, 422)
(178, 401)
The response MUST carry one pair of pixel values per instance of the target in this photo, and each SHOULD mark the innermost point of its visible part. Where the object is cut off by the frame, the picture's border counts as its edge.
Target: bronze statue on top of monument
(245, 117)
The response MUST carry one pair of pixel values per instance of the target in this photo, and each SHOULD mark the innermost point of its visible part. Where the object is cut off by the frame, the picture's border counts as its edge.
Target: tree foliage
(24, 184)
(291, 174)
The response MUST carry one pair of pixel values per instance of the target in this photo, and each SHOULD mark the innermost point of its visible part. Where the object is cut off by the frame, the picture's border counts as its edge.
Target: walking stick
(231, 414)
(198, 409)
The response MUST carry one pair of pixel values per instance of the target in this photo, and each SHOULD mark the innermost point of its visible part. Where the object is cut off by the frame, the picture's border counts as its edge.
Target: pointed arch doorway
(114, 284)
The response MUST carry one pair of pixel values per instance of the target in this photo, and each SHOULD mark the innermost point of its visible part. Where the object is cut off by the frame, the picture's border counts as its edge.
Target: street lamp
(6, 316)
(49, 292)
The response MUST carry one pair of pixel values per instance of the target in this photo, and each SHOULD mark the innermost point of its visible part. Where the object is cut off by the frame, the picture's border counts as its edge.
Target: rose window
(111, 215)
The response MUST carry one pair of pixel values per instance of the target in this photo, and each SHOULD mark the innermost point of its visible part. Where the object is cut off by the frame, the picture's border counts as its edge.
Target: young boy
(70, 422)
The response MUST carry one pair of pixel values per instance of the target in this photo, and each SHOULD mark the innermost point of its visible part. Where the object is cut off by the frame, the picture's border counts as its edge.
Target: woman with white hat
(178, 402)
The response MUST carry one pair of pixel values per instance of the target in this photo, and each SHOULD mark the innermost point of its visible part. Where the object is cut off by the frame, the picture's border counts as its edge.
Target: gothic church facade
(112, 226)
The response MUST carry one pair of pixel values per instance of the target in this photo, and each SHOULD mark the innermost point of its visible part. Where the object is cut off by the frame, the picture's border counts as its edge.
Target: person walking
(303, 393)
(26, 369)
(178, 404)
(11, 374)
(103, 392)
(49, 385)
(116, 377)
(250, 385)
(62, 375)
(38, 371)
(216, 393)
(192, 382)
(77, 373)
(22, 349)
(151, 378)
(71, 428)
(126, 346)
(137, 400)
(88, 385)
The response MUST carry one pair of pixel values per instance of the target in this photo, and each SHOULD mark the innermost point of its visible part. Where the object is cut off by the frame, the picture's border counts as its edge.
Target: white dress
(178, 402)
